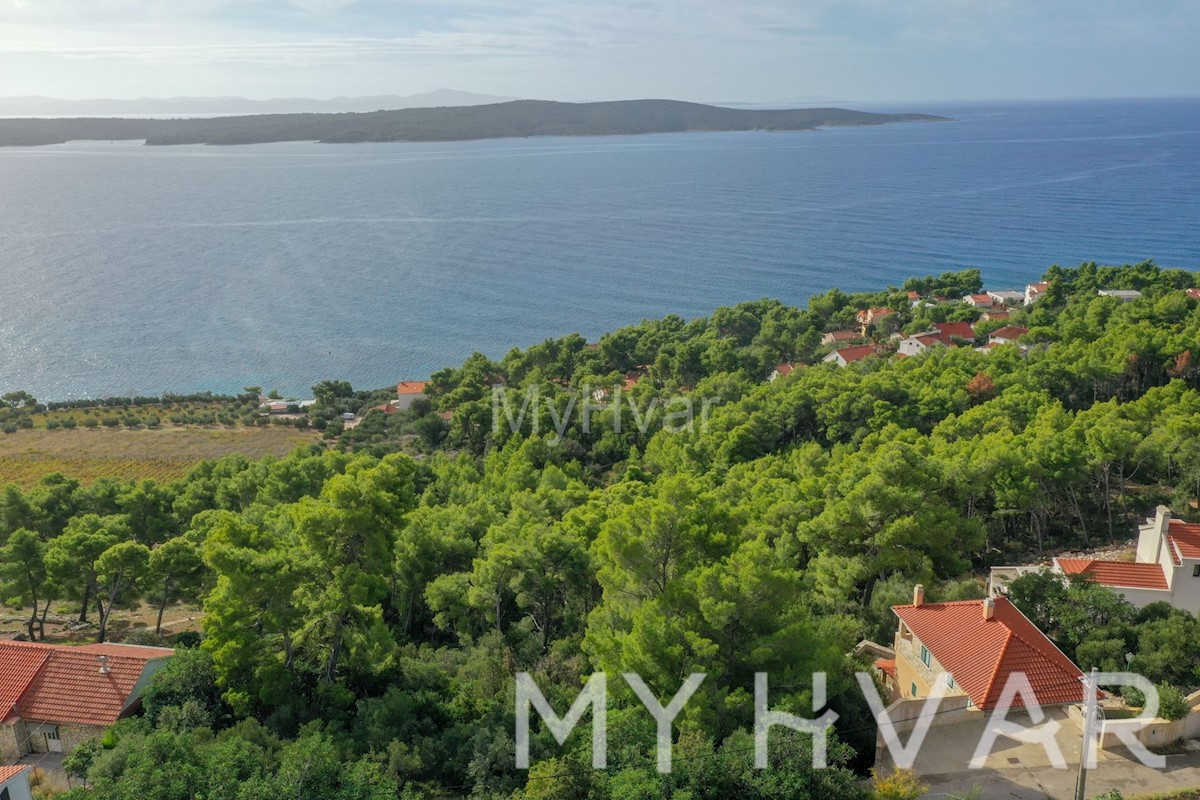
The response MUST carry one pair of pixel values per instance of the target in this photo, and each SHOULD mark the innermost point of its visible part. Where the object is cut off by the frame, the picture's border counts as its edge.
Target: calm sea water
(135, 269)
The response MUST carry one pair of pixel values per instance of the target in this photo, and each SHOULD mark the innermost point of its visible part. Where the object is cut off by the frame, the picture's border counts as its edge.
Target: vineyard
(163, 454)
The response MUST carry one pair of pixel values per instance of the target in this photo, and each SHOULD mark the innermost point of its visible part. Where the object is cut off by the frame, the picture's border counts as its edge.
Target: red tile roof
(887, 666)
(980, 299)
(386, 408)
(69, 684)
(1194, 294)
(930, 339)
(1038, 287)
(7, 773)
(1184, 540)
(843, 336)
(19, 664)
(411, 387)
(785, 369)
(1116, 573)
(982, 654)
(1008, 332)
(962, 330)
(858, 353)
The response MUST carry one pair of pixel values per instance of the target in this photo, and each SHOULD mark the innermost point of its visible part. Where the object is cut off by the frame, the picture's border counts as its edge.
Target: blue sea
(133, 269)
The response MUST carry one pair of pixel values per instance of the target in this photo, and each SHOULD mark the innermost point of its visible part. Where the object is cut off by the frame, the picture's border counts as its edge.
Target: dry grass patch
(163, 454)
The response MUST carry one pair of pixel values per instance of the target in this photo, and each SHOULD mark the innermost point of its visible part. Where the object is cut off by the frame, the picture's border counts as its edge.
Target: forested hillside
(367, 604)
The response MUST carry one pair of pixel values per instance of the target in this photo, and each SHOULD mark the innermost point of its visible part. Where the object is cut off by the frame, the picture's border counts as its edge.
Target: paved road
(1039, 783)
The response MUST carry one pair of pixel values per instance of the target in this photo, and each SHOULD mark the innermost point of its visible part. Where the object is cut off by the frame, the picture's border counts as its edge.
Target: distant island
(520, 118)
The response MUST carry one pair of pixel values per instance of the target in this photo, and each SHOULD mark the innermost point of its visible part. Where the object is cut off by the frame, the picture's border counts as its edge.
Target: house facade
(53, 697)
(1033, 291)
(848, 355)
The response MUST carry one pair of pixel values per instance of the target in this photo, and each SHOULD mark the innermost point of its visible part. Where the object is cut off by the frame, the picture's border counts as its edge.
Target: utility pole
(1089, 720)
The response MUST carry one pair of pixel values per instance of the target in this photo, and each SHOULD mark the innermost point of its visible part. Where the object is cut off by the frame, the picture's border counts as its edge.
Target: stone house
(53, 697)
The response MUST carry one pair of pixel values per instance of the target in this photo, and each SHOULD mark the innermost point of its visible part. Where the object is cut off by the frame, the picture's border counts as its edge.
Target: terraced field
(162, 454)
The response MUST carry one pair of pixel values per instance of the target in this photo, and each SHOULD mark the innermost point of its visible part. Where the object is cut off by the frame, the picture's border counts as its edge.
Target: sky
(579, 50)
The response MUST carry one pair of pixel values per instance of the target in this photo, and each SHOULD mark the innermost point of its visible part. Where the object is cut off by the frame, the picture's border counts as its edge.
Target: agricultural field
(164, 454)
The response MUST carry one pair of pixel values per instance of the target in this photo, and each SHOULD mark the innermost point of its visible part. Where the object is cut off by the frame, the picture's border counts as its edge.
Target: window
(913, 689)
(1196, 571)
(950, 681)
(926, 657)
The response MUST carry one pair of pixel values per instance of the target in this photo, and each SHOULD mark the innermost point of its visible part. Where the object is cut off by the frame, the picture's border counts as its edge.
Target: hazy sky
(758, 50)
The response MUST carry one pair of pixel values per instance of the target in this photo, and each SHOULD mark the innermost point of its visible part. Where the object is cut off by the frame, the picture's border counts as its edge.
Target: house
(979, 300)
(988, 316)
(384, 408)
(956, 330)
(277, 407)
(1007, 335)
(848, 355)
(781, 371)
(1167, 568)
(1124, 295)
(872, 316)
(914, 299)
(52, 697)
(1033, 291)
(974, 647)
(838, 337)
(409, 392)
(920, 343)
(14, 783)
(1006, 297)
(1193, 294)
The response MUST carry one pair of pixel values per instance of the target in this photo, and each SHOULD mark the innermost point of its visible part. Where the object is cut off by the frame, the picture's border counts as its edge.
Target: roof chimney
(918, 595)
(104, 667)
(989, 608)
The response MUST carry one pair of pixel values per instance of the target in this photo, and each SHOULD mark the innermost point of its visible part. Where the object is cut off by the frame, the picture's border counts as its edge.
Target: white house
(1124, 295)
(1007, 335)
(409, 392)
(848, 355)
(920, 343)
(979, 300)
(1167, 568)
(1006, 296)
(781, 371)
(14, 783)
(1033, 291)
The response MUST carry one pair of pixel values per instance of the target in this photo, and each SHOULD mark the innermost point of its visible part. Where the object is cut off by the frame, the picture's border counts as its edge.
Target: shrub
(111, 422)
(91, 422)
(1172, 704)
(899, 784)
(145, 638)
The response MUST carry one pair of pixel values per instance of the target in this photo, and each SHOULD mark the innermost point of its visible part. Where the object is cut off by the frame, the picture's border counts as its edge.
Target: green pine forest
(368, 600)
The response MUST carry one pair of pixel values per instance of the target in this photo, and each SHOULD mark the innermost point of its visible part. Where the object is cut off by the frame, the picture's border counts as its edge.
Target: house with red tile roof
(840, 337)
(52, 697)
(848, 355)
(994, 314)
(956, 330)
(975, 647)
(14, 783)
(872, 316)
(1167, 568)
(979, 300)
(781, 371)
(1009, 334)
(409, 392)
(1193, 294)
(1033, 291)
(920, 343)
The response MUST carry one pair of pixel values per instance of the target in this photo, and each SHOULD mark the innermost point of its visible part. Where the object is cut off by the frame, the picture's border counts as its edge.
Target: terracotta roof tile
(858, 353)
(19, 664)
(962, 330)
(1008, 332)
(411, 387)
(1116, 573)
(7, 773)
(982, 654)
(68, 685)
(1184, 540)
